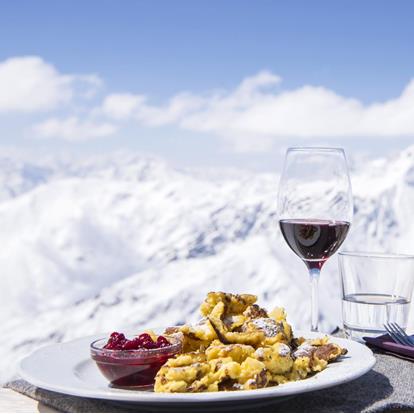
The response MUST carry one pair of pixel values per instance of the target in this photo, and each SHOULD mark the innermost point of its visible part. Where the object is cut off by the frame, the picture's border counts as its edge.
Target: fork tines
(398, 334)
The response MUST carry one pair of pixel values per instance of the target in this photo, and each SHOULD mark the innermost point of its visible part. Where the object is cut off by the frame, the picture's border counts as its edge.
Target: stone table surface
(14, 402)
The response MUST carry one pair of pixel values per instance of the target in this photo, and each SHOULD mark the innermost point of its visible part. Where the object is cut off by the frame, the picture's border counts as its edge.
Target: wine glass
(315, 208)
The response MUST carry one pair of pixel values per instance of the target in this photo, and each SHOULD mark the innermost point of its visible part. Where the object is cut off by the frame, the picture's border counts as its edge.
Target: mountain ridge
(125, 241)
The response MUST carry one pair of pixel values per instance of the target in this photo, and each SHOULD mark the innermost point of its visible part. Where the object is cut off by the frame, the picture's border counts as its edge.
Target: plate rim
(145, 397)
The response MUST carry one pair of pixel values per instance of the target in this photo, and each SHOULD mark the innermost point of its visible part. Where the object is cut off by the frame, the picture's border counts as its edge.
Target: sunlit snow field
(122, 241)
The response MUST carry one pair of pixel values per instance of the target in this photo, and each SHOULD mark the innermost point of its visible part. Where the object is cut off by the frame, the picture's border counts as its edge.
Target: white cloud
(121, 105)
(73, 129)
(125, 105)
(29, 84)
(179, 107)
(257, 112)
(252, 116)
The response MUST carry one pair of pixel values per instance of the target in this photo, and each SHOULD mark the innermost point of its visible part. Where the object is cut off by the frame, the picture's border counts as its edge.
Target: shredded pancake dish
(237, 345)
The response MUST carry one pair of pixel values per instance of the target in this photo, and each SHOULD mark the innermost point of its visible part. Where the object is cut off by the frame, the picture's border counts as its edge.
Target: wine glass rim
(377, 255)
(317, 149)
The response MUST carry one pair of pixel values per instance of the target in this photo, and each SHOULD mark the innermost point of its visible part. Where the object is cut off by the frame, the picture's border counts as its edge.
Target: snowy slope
(125, 241)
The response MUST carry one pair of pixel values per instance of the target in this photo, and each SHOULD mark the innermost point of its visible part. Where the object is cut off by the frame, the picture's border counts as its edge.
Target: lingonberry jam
(144, 341)
(133, 362)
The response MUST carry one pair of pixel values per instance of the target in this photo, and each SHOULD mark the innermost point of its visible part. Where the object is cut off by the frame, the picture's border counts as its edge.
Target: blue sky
(152, 51)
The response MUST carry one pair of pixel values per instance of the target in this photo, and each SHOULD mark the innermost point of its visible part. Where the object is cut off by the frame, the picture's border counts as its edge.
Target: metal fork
(398, 334)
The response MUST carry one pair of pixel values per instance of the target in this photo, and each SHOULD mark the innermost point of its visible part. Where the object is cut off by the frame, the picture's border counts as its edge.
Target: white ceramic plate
(68, 369)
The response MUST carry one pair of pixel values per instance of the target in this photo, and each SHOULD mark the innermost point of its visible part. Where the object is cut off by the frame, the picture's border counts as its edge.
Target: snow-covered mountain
(123, 241)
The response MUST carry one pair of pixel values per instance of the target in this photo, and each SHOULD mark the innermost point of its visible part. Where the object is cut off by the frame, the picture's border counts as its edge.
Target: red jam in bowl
(133, 362)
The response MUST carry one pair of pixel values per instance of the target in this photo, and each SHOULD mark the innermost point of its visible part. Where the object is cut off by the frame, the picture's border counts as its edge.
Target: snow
(124, 241)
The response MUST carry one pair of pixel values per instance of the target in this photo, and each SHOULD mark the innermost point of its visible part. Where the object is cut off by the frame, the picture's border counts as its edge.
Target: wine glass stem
(314, 279)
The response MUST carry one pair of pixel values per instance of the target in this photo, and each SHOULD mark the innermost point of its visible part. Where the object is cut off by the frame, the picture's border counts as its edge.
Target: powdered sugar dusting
(260, 353)
(268, 325)
(284, 350)
(305, 349)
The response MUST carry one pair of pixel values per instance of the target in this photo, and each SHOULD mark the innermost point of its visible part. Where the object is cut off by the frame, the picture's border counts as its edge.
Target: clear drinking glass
(315, 208)
(376, 289)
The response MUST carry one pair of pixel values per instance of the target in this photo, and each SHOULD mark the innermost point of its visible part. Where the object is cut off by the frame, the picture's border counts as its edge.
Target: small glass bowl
(133, 367)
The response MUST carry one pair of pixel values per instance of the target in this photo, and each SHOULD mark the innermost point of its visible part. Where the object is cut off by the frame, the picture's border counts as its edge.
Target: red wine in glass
(315, 209)
(314, 241)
